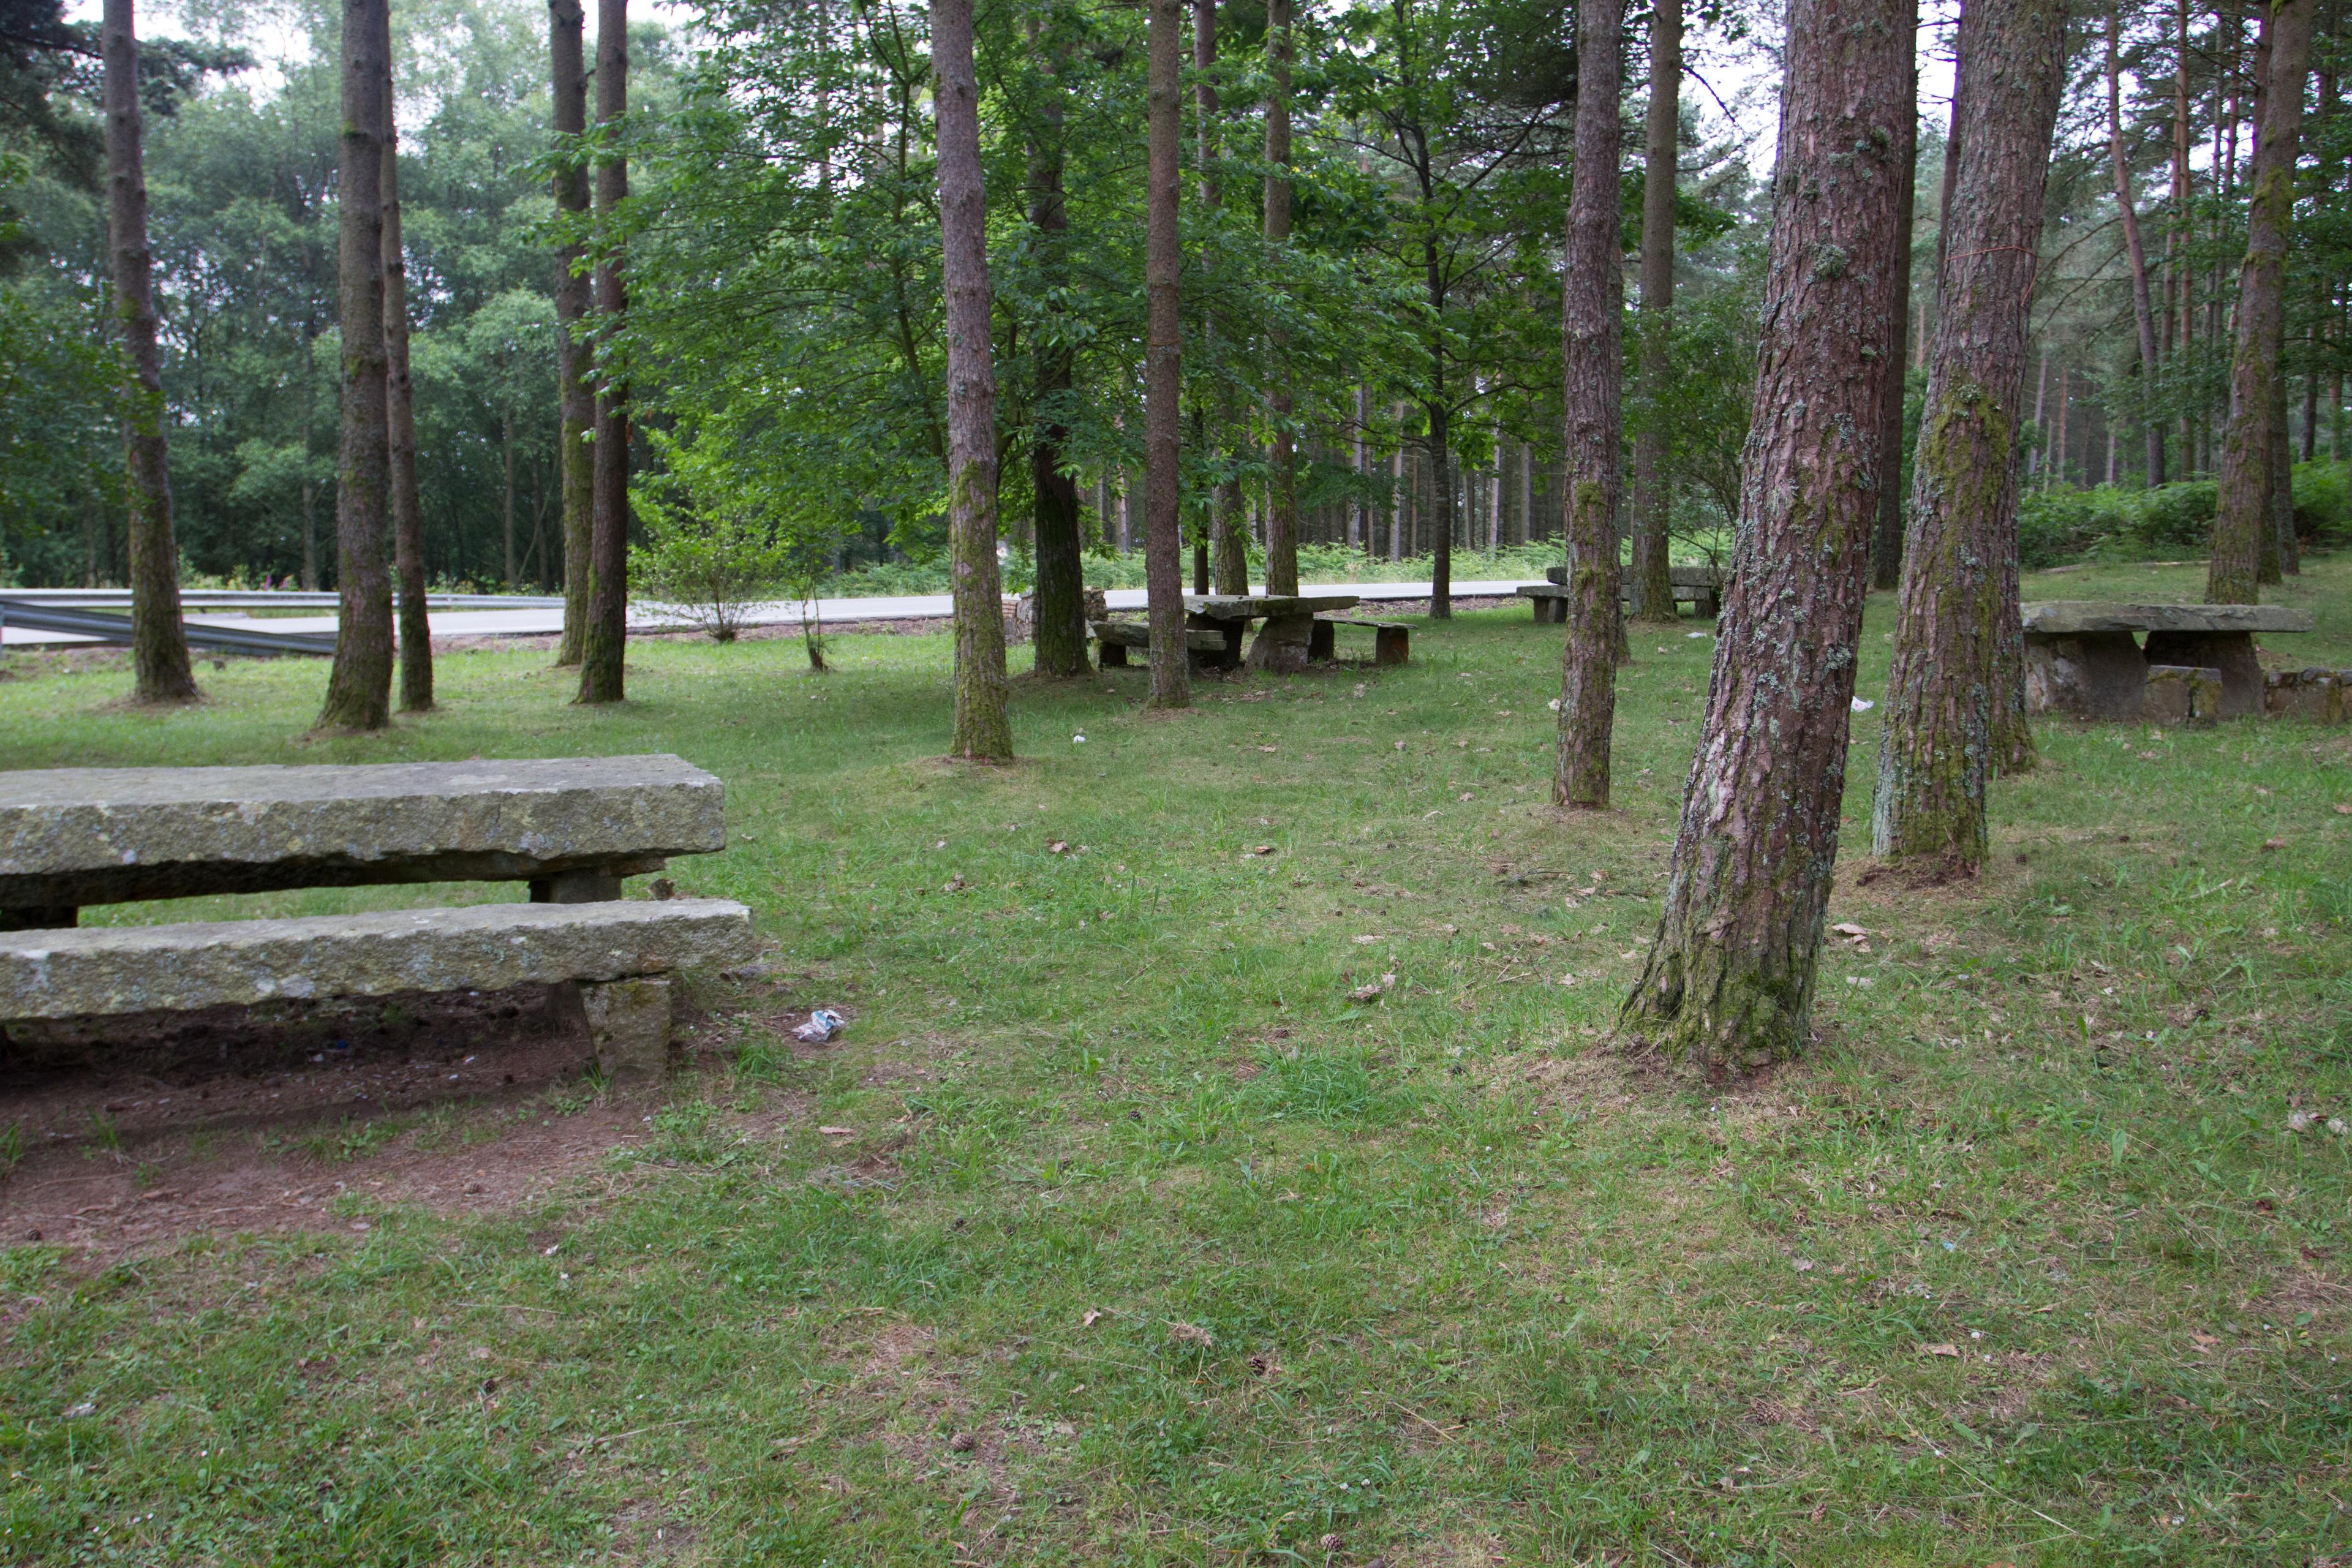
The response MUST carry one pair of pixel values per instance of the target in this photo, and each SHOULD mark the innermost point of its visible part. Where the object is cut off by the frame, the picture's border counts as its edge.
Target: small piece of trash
(1864, 705)
(1371, 992)
(1361, 939)
(1952, 1351)
(1078, 739)
(1700, 635)
(76, 1412)
(1848, 929)
(1553, 705)
(1865, 981)
(1400, 745)
(823, 1024)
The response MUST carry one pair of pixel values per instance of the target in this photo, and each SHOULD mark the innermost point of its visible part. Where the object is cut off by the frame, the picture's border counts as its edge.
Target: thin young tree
(2243, 518)
(603, 648)
(577, 458)
(1221, 549)
(159, 643)
(1281, 498)
(1163, 545)
(1652, 585)
(400, 426)
(1730, 982)
(1592, 309)
(1938, 743)
(983, 727)
(1061, 612)
(2135, 251)
(358, 686)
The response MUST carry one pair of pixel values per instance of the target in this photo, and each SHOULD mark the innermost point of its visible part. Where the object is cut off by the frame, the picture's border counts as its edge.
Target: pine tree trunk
(1439, 460)
(1282, 498)
(1163, 543)
(1061, 611)
(2127, 209)
(400, 426)
(358, 686)
(506, 512)
(576, 457)
(159, 644)
(2284, 546)
(2243, 515)
(1592, 312)
(1887, 539)
(1730, 982)
(1653, 589)
(603, 648)
(310, 485)
(1221, 548)
(1937, 743)
(983, 725)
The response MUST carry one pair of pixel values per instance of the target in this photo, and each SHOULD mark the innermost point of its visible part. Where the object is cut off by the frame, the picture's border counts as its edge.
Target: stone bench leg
(1391, 645)
(627, 1022)
(2231, 653)
(2093, 675)
(594, 885)
(1282, 643)
(1113, 656)
(1321, 641)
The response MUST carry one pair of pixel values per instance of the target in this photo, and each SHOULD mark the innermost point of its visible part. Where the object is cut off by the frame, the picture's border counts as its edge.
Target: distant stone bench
(2081, 658)
(1392, 640)
(569, 828)
(1701, 587)
(1210, 649)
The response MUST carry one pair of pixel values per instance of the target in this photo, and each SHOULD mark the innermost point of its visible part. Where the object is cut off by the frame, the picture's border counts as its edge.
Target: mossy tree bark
(358, 686)
(2242, 520)
(2135, 250)
(1887, 537)
(1730, 982)
(576, 459)
(1163, 543)
(1592, 308)
(1652, 585)
(983, 726)
(400, 426)
(159, 642)
(1061, 623)
(604, 642)
(1945, 698)
(1282, 493)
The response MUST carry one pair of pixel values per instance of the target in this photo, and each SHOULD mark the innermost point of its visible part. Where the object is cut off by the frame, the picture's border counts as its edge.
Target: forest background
(786, 342)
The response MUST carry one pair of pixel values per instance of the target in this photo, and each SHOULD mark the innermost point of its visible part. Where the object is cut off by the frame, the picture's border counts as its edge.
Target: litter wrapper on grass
(823, 1024)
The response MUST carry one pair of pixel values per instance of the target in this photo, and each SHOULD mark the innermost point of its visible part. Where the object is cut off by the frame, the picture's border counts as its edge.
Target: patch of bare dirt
(136, 1131)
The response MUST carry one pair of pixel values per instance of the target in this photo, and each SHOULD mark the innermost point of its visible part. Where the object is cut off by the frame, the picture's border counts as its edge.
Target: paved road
(542, 617)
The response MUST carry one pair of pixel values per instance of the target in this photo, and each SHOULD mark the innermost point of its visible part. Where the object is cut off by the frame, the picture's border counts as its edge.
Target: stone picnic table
(569, 828)
(1287, 640)
(1702, 587)
(2198, 661)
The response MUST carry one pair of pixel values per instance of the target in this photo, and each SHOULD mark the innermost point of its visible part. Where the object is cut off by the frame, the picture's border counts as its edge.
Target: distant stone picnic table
(2198, 662)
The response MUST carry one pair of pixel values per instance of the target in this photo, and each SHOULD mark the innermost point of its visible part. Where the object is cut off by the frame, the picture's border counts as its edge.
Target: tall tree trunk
(1358, 522)
(507, 516)
(2242, 518)
(1163, 543)
(576, 457)
(2276, 537)
(1730, 982)
(1653, 589)
(1943, 723)
(1592, 310)
(400, 426)
(2179, 315)
(159, 644)
(1061, 610)
(1437, 459)
(358, 686)
(1886, 538)
(1282, 497)
(2285, 549)
(310, 485)
(1221, 549)
(983, 726)
(2127, 209)
(604, 649)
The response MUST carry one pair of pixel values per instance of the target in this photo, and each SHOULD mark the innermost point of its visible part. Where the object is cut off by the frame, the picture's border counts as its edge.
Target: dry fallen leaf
(838, 1131)
(1952, 1351)
(1057, 847)
(2272, 843)
(1361, 939)
(1191, 1334)
(2203, 1341)
(1094, 1315)
(1849, 930)
(2344, 808)
(1269, 748)
(1372, 993)
(1803, 1265)
(1259, 849)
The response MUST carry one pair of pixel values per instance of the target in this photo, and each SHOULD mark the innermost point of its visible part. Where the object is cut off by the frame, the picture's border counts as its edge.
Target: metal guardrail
(107, 628)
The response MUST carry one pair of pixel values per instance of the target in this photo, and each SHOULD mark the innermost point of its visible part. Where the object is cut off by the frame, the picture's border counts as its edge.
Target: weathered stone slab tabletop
(570, 827)
(1282, 643)
(2080, 655)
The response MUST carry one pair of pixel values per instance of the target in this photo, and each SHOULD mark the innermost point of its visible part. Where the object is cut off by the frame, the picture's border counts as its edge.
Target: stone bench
(2081, 657)
(610, 963)
(1392, 640)
(1210, 649)
(1697, 586)
(569, 828)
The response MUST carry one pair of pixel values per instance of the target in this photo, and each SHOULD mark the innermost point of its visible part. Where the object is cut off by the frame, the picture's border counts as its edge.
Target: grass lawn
(1146, 1243)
